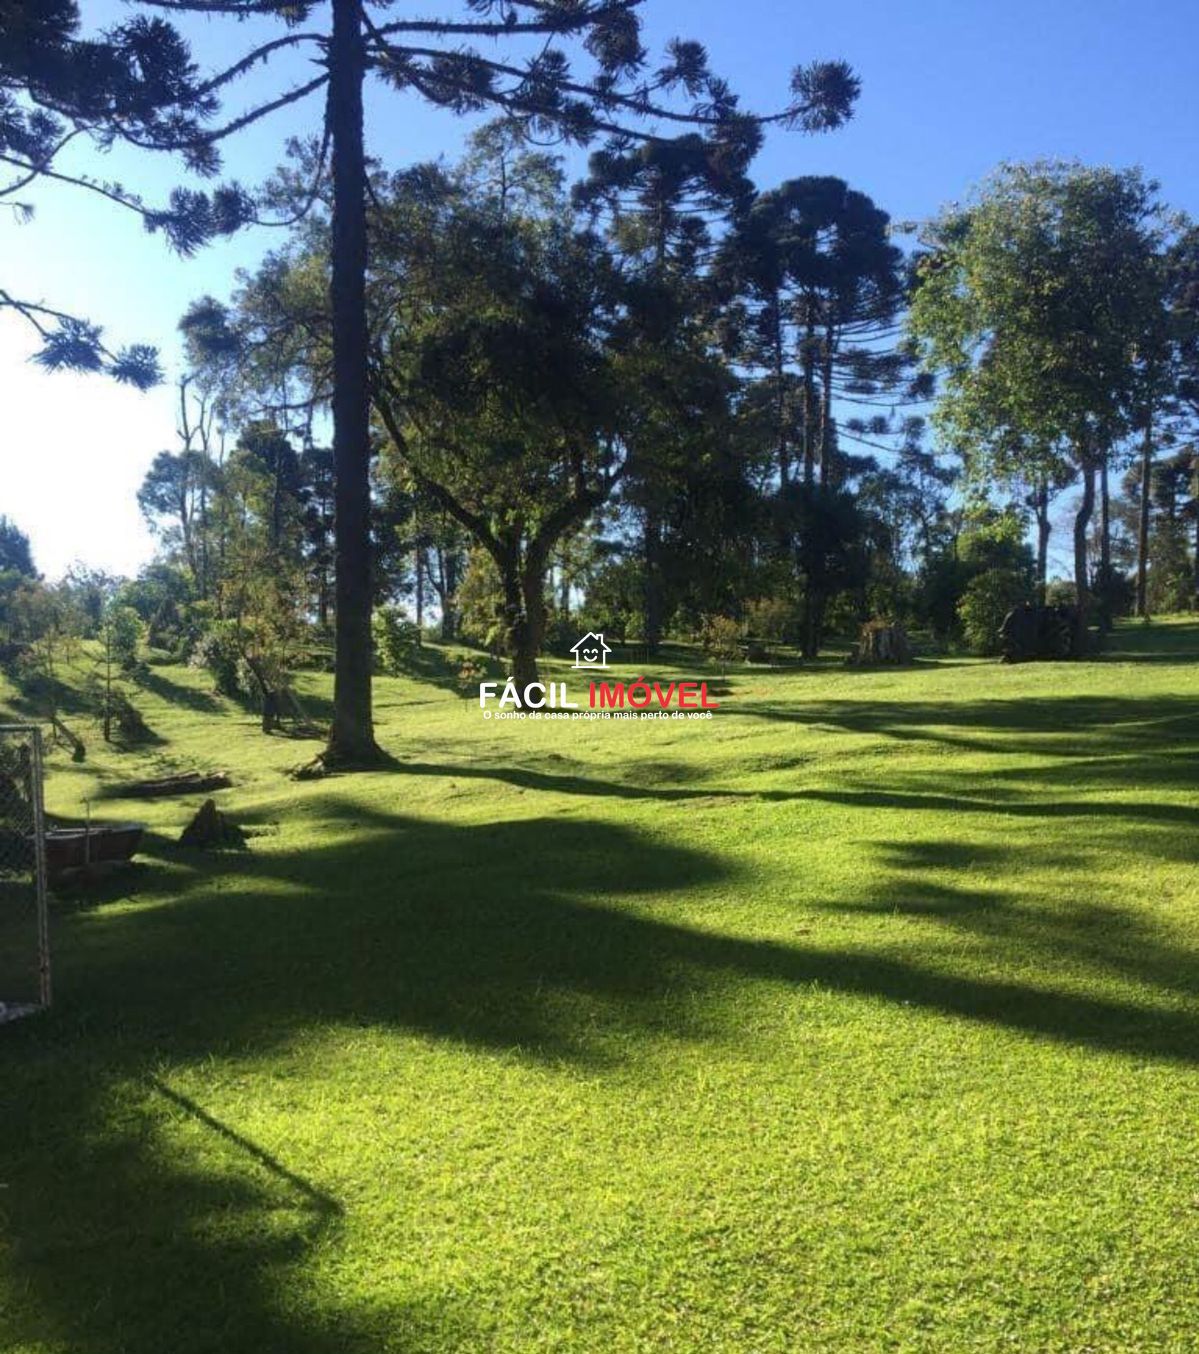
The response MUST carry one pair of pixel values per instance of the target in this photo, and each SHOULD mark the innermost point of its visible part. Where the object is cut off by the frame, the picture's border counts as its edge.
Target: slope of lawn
(863, 1016)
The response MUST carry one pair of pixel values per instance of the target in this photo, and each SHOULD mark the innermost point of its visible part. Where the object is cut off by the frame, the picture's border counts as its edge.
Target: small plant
(397, 639)
(721, 639)
(471, 672)
(122, 633)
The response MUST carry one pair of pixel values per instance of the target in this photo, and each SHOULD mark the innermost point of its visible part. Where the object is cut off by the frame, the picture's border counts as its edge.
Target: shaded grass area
(862, 1016)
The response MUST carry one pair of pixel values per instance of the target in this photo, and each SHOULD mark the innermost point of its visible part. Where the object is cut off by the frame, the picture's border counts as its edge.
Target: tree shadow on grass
(1060, 726)
(1134, 641)
(1180, 815)
(527, 778)
(192, 698)
(1004, 907)
(542, 939)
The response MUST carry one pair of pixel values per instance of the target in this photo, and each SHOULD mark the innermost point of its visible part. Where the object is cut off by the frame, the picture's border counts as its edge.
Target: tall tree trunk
(204, 532)
(1082, 523)
(1041, 508)
(419, 556)
(1195, 511)
(446, 583)
(652, 594)
(563, 591)
(351, 737)
(524, 614)
(1105, 544)
(780, 396)
(809, 405)
(826, 409)
(535, 615)
(1142, 603)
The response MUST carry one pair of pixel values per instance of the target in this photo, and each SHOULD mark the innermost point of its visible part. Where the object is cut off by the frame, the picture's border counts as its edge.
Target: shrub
(988, 598)
(772, 618)
(219, 651)
(471, 671)
(1060, 592)
(397, 639)
(1114, 591)
(480, 602)
(721, 638)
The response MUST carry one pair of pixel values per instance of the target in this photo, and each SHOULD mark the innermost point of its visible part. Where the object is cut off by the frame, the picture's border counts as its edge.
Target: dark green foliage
(397, 639)
(218, 651)
(988, 598)
(133, 83)
(16, 557)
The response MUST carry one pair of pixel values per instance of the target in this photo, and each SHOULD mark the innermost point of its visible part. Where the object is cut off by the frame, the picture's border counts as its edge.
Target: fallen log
(185, 783)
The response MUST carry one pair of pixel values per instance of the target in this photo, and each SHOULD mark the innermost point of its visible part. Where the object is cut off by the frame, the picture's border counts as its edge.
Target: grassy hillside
(864, 1015)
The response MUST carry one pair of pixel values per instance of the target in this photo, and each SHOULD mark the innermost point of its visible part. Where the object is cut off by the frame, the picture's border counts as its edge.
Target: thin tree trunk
(1082, 522)
(1142, 603)
(204, 532)
(808, 411)
(826, 410)
(780, 396)
(420, 587)
(1195, 510)
(351, 738)
(653, 580)
(1105, 544)
(1041, 508)
(446, 583)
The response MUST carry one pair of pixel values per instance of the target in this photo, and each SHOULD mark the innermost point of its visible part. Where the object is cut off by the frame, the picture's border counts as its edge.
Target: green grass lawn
(863, 1016)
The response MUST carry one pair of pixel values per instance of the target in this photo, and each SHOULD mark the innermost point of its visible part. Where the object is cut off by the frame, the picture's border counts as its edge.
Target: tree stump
(882, 643)
(211, 830)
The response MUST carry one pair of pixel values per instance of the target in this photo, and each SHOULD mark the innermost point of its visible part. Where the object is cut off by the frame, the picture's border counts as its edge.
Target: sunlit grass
(862, 1016)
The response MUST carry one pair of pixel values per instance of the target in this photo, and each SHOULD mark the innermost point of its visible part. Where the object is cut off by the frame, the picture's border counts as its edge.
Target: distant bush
(771, 618)
(988, 598)
(397, 639)
(1114, 591)
(480, 602)
(218, 651)
(1060, 592)
(471, 671)
(721, 638)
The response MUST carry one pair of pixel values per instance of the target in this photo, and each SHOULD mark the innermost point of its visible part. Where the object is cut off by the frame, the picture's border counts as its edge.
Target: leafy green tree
(1032, 300)
(261, 596)
(120, 635)
(501, 389)
(820, 285)
(16, 557)
(659, 203)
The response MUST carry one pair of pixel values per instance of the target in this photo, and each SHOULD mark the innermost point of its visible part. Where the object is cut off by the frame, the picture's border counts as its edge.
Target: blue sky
(950, 89)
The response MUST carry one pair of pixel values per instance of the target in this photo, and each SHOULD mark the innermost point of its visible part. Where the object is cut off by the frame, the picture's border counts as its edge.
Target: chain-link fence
(24, 939)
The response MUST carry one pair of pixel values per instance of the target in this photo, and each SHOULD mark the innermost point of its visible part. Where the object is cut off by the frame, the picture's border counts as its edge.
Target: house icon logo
(591, 651)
